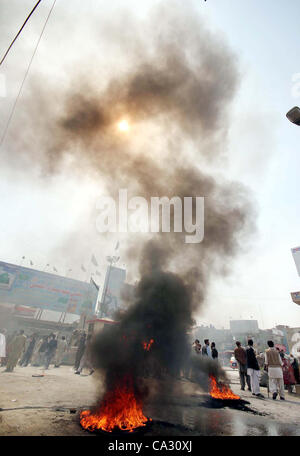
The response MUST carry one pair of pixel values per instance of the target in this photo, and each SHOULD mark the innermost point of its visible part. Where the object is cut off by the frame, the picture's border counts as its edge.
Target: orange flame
(119, 409)
(221, 391)
(149, 345)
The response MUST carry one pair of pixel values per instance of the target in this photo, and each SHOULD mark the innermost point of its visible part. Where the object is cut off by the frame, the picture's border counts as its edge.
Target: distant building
(222, 337)
(243, 327)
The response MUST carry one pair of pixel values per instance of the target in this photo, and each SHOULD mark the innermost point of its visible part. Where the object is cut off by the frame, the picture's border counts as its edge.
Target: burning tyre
(120, 410)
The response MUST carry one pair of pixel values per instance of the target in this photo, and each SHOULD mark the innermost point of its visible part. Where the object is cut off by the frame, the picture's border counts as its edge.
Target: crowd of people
(207, 349)
(44, 350)
(281, 370)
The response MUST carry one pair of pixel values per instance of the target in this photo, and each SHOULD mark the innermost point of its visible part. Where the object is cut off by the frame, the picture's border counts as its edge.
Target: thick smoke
(175, 91)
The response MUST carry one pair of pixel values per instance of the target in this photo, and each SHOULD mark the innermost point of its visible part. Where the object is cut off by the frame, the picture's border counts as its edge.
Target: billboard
(296, 297)
(28, 287)
(296, 256)
(112, 289)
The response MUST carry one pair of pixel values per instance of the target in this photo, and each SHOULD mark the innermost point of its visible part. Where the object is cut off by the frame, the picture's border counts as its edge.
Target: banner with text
(28, 287)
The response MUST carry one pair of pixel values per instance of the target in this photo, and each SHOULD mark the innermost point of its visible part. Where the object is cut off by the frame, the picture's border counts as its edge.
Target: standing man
(86, 359)
(50, 351)
(80, 350)
(253, 369)
(206, 351)
(39, 352)
(197, 347)
(214, 351)
(196, 351)
(60, 351)
(274, 363)
(28, 353)
(16, 350)
(240, 356)
(2, 346)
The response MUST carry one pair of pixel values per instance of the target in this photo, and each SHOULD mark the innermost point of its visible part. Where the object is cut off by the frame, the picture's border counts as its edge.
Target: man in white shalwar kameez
(274, 363)
(2, 345)
(61, 350)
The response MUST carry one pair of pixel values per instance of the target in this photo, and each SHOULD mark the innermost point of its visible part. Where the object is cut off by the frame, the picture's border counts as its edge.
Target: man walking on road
(38, 358)
(80, 350)
(240, 356)
(28, 352)
(253, 369)
(16, 350)
(51, 349)
(274, 363)
(61, 350)
(86, 360)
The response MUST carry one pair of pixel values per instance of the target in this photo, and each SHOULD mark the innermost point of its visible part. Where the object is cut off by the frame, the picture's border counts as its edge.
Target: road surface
(49, 405)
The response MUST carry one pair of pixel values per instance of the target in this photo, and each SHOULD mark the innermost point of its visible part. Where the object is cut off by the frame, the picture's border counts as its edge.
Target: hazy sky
(39, 214)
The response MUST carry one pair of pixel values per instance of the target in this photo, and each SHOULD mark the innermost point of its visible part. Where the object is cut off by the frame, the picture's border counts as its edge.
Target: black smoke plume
(175, 89)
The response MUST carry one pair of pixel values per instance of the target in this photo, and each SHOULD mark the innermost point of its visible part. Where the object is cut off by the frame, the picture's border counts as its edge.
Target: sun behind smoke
(123, 126)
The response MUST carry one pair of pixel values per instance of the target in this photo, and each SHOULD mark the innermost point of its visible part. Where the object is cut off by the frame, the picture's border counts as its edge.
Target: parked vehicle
(233, 363)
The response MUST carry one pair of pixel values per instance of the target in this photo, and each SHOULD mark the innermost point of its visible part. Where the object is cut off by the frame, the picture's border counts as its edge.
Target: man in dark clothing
(38, 358)
(240, 356)
(51, 349)
(28, 354)
(214, 351)
(80, 351)
(253, 369)
(86, 359)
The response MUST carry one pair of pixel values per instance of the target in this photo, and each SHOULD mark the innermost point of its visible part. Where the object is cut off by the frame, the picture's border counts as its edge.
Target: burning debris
(120, 410)
(222, 396)
(141, 342)
(221, 391)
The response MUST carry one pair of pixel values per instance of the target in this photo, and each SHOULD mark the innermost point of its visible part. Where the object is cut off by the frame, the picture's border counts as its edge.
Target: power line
(27, 19)
(25, 76)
